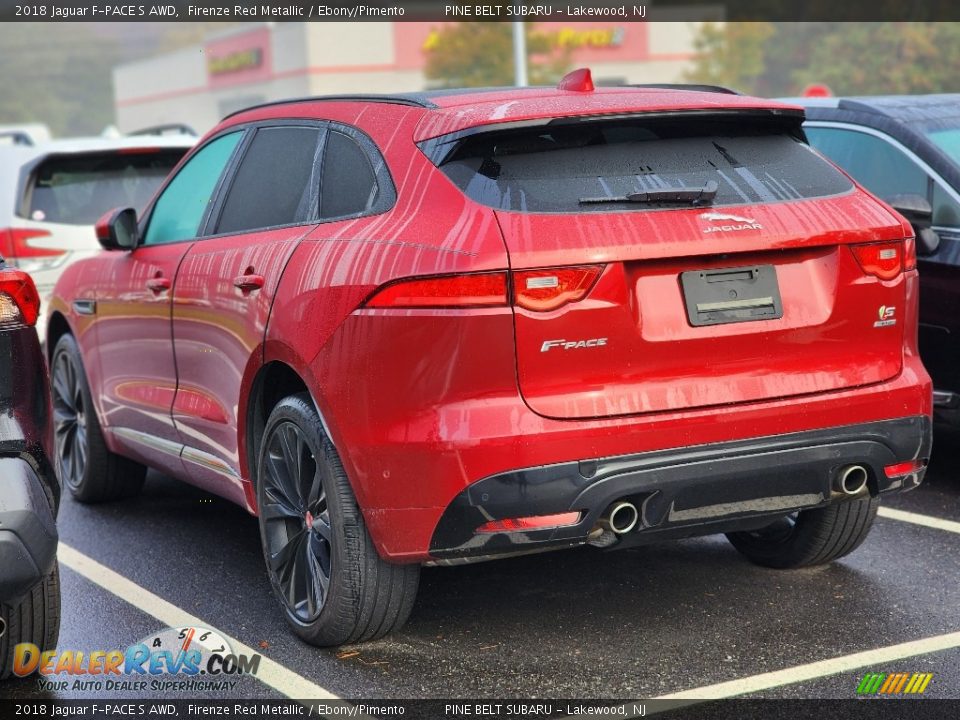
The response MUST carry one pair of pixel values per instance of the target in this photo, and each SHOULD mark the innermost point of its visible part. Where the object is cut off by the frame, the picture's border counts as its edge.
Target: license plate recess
(731, 295)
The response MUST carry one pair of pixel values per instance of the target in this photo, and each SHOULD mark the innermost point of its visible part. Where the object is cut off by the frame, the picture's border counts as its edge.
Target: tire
(809, 537)
(85, 465)
(324, 569)
(36, 620)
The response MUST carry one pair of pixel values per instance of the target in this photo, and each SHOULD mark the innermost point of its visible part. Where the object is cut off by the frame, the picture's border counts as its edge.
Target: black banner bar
(891, 708)
(422, 10)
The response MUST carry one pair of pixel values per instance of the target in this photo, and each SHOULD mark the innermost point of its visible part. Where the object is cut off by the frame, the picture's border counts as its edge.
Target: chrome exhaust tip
(621, 517)
(851, 480)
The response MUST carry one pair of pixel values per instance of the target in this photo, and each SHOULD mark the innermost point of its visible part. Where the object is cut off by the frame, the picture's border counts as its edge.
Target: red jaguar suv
(460, 325)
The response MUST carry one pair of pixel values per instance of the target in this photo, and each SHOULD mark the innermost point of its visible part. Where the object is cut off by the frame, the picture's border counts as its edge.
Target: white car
(51, 194)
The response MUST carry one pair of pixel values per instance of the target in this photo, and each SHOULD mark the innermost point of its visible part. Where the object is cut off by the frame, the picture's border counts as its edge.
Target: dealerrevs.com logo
(175, 659)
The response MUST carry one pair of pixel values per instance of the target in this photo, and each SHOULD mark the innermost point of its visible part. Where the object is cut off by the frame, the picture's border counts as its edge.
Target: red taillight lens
(533, 522)
(882, 260)
(551, 288)
(19, 301)
(14, 244)
(453, 291)
(910, 254)
(904, 468)
(537, 290)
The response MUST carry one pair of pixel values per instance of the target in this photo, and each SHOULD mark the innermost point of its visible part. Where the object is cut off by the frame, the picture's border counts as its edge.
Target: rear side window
(876, 164)
(273, 184)
(550, 168)
(78, 189)
(349, 184)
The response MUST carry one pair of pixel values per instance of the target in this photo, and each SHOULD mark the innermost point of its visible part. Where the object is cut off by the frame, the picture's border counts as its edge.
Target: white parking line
(917, 519)
(845, 663)
(875, 658)
(270, 672)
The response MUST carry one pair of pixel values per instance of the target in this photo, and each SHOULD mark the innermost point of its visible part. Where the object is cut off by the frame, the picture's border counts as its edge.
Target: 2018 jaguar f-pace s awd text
(460, 325)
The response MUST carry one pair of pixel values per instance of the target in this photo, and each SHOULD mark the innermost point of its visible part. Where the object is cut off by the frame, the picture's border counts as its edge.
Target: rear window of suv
(77, 189)
(552, 167)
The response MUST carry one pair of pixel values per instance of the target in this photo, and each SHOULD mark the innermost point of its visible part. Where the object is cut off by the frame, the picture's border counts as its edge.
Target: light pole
(519, 55)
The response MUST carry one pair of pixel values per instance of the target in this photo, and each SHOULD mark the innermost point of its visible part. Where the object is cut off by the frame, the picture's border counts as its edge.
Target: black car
(29, 490)
(906, 150)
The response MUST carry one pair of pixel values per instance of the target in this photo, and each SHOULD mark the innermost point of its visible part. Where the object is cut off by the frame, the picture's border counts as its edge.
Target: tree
(61, 74)
(730, 54)
(886, 58)
(478, 54)
(58, 74)
(776, 59)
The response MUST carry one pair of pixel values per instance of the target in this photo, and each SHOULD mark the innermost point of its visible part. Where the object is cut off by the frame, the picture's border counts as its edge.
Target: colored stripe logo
(894, 683)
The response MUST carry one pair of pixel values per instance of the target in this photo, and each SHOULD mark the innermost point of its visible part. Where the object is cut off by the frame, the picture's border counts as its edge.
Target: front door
(134, 349)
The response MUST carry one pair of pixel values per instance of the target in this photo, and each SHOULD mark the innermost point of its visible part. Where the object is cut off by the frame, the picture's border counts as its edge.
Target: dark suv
(906, 150)
(29, 490)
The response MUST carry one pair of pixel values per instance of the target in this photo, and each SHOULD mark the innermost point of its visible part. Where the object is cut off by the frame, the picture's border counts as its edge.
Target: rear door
(225, 289)
(648, 304)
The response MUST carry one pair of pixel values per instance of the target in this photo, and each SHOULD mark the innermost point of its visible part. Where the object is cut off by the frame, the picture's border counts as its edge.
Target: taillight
(532, 522)
(450, 291)
(14, 244)
(16, 249)
(883, 260)
(537, 290)
(551, 288)
(19, 301)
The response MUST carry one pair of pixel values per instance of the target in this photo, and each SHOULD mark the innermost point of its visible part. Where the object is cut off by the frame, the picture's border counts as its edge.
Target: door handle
(247, 283)
(158, 285)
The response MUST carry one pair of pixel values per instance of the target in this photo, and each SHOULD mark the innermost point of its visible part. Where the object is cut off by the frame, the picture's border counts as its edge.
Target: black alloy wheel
(69, 421)
(297, 533)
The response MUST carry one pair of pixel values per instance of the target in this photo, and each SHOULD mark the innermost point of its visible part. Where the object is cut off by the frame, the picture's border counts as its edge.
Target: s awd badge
(886, 314)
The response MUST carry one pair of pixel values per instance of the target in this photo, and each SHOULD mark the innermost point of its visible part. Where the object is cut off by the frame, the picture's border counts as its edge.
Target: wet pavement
(575, 624)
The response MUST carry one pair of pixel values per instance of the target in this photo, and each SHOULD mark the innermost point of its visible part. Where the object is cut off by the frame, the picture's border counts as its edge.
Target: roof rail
(167, 129)
(695, 87)
(388, 99)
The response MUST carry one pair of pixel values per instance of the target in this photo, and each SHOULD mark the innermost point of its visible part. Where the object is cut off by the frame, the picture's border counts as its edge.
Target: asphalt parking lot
(690, 616)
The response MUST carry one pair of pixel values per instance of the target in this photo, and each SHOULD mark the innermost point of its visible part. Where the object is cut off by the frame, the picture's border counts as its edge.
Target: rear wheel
(35, 619)
(323, 566)
(87, 467)
(809, 537)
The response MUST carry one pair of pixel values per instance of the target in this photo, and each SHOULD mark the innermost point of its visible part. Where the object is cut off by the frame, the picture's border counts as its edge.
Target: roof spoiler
(693, 87)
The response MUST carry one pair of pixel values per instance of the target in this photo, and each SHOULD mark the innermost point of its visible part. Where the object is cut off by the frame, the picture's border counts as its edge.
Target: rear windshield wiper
(686, 195)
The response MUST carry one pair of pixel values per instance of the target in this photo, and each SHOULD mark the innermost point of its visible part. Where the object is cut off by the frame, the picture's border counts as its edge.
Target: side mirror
(117, 229)
(919, 214)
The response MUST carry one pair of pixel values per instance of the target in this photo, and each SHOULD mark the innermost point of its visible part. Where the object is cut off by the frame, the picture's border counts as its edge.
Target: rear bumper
(28, 532)
(679, 492)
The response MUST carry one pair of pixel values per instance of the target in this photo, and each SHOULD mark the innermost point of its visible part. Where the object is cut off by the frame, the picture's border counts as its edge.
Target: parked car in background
(461, 325)
(51, 194)
(906, 150)
(29, 490)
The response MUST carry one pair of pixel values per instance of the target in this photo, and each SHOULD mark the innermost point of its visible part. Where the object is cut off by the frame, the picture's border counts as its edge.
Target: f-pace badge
(733, 222)
(573, 344)
(886, 314)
